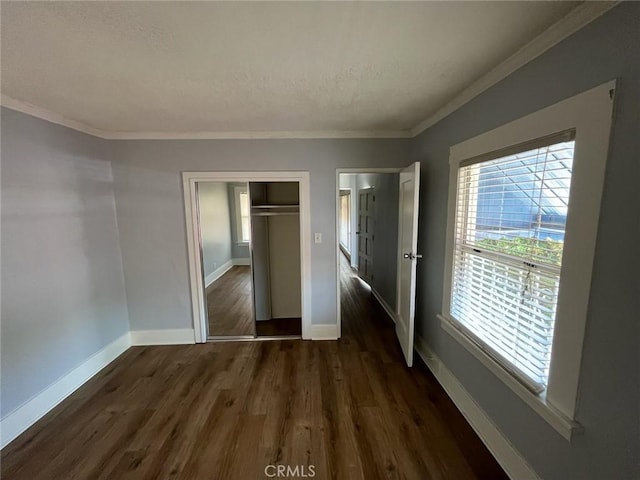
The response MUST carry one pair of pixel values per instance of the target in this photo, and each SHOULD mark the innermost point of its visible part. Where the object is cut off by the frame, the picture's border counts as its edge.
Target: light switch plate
(318, 238)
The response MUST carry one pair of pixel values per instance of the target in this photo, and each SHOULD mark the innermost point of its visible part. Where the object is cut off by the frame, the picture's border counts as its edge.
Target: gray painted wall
(215, 225)
(151, 220)
(609, 400)
(238, 250)
(63, 294)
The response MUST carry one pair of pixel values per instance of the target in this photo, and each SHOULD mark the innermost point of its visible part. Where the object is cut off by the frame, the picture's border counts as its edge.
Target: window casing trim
(589, 115)
(538, 403)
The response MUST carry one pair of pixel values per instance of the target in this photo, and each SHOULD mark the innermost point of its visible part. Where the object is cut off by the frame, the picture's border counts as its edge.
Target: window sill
(242, 244)
(563, 425)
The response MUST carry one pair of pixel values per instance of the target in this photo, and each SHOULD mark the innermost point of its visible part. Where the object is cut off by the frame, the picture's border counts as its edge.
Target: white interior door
(408, 257)
(366, 224)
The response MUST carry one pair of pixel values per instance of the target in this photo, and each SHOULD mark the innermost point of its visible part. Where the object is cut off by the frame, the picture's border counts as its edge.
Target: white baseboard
(35, 408)
(217, 273)
(345, 252)
(224, 268)
(513, 463)
(384, 304)
(182, 336)
(324, 332)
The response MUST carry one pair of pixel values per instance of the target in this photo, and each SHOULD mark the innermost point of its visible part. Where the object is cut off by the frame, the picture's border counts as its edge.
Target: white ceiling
(234, 67)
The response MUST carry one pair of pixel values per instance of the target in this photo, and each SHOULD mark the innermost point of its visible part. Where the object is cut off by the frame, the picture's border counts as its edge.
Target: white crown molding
(44, 114)
(257, 135)
(49, 116)
(571, 23)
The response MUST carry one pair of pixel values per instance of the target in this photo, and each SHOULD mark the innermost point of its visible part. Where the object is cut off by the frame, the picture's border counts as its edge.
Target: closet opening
(275, 258)
(247, 265)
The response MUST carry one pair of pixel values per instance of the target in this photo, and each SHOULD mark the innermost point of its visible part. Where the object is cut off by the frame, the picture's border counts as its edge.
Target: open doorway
(367, 231)
(247, 257)
(376, 244)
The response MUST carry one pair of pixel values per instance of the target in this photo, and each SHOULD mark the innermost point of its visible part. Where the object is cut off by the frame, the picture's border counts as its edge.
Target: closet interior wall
(275, 249)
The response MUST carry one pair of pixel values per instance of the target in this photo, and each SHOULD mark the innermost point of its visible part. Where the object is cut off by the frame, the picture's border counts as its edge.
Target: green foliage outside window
(545, 251)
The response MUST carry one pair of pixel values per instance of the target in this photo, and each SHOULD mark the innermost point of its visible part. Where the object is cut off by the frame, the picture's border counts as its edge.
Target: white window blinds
(510, 221)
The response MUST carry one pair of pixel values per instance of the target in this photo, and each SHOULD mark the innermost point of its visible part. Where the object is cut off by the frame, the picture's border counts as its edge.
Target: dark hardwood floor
(229, 304)
(279, 327)
(230, 310)
(227, 410)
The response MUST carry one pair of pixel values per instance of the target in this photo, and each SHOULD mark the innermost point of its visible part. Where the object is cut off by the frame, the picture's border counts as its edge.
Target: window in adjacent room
(345, 219)
(242, 213)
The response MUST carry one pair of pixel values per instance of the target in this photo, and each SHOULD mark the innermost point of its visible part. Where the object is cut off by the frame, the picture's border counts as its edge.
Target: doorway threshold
(249, 338)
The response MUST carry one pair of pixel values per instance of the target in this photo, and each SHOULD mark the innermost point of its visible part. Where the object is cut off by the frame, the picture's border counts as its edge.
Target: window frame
(237, 191)
(469, 199)
(589, 115)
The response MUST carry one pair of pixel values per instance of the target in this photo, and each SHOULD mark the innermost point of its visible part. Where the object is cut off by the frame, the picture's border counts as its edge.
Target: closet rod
(283, 205)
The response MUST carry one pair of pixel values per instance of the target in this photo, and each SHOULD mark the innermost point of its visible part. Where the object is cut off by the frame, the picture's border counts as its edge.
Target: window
(524, 205)
(242, 214)
(345, 219)
(509, 237)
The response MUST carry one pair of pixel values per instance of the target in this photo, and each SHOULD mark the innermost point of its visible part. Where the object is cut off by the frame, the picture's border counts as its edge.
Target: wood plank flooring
(230, 309)
(279, 327)
(225, 411)
(230, 303)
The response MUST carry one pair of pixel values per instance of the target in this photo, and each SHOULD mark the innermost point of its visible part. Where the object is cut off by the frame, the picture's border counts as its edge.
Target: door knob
(411, 256)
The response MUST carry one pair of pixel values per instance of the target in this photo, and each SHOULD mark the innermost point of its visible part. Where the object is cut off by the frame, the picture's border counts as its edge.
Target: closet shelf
(270, 210)
(272, 214)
